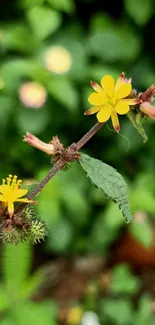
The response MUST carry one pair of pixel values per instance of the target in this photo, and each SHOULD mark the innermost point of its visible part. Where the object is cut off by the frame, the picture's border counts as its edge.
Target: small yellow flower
(109, 99)
(10, 192)
(74, 315)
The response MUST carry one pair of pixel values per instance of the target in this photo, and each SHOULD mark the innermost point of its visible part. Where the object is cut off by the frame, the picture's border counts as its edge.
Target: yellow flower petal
(115, 121)
(96, 87)
(26, 200)
(92, 110)
(104, 114)
(123, 91)
(122, 107)
(132, 101)
(119, 81)
(107, 84)
(19, 192)
(97, 98)
(5, 189)
(2, 198)
(10, 207)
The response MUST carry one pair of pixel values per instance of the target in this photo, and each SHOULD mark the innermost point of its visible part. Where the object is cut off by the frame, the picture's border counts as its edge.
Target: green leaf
(143, 232)
(120, 45)
(4, 302)
(119, 311)
(18, 37)
(16, 266)
(25, 4)
(44, 21)
(31, 120)
(62, 5)
(139, 10)
(29, 313)
(32, 284)
(144, 314)
(64, 92)
(109, 180)
(123, 281)
(60, 236)
(6, 105)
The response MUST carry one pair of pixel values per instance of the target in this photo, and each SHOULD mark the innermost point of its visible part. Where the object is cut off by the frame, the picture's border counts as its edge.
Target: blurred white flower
(32, 94)
(90, 318)
(58, 59)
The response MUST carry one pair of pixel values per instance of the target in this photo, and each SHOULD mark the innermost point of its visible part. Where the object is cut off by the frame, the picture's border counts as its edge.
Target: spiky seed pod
(37, 231)
(12, 236)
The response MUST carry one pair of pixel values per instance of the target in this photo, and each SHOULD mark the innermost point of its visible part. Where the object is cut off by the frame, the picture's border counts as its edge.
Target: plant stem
(74, 147)
(88, 135)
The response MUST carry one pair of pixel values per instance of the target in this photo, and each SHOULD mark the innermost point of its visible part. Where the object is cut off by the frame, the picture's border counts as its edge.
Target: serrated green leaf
(139, 10)
(109, 180)
(44, 21)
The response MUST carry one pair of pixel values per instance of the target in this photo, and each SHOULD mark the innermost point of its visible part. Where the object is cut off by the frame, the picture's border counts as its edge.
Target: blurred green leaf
(123, 282)
(32, 120)
(140, 10)
(32, 283)
(25, 4)
(142, 232)
(97, 71)
(64, 92)
(29, 313)
(109, 180)
(62, 5)
(44, 21)
(100, 22)
(114, 45)
(18, 37)
(6, 107)
(76, 205)
(144, 314)
(113, 217)
(60, 236)
(119, 311)
(14, 276)
(4, 301)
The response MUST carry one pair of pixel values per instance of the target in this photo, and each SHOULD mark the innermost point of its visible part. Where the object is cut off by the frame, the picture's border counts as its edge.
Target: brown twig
(71, 154)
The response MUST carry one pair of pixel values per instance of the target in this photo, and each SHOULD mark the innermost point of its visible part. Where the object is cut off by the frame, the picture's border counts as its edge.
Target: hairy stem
(74, 147)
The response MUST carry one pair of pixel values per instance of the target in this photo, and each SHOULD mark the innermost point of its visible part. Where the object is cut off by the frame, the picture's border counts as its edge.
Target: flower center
(112, 101)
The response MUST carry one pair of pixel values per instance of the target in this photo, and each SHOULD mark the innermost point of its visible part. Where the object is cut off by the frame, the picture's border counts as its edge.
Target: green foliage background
(102, 39)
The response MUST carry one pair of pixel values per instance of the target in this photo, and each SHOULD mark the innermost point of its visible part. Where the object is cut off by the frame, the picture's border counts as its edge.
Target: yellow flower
(10, 192)
(74, 315)
(109, 99)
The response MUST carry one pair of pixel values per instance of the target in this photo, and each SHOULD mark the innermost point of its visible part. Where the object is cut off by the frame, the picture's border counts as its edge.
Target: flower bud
(48, 148)
(147, 109)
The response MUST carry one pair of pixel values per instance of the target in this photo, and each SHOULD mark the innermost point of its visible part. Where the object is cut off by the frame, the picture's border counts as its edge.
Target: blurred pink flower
(32, 94)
